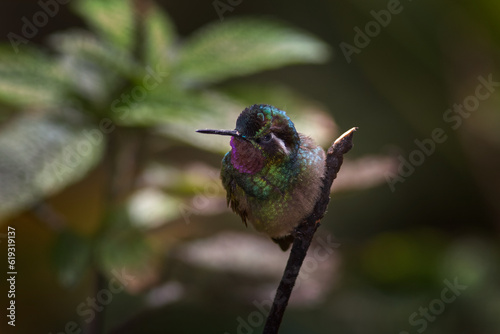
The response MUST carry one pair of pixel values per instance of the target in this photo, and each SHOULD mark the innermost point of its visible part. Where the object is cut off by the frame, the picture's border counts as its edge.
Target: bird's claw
(297, 233)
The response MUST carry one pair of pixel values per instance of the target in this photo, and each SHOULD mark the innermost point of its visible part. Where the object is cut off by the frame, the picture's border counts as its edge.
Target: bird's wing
(235, 195)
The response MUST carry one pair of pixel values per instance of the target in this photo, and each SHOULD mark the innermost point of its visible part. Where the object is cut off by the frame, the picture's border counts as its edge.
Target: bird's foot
(297, 233)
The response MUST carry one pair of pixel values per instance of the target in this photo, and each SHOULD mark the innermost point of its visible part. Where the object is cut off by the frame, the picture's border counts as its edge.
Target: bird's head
(264, 135)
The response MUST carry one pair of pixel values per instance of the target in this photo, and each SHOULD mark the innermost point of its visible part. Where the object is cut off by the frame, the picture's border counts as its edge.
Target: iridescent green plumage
(272, 174)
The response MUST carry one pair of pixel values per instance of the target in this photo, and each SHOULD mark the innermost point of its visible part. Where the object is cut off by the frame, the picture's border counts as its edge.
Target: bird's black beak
(232, 133)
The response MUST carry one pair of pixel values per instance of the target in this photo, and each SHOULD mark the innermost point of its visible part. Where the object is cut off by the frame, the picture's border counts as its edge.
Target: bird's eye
(267, 138)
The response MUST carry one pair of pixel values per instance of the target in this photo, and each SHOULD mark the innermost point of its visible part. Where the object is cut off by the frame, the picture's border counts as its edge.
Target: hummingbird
(272, 174)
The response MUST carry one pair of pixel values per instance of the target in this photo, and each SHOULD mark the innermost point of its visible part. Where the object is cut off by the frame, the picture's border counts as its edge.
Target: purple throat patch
(245, 157)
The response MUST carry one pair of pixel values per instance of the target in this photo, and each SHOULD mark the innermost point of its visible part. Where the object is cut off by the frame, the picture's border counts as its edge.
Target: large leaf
(111, 19)
(95, 67)
(40, 155)
(83, 45)
(114, 20)
(171, 105)
(245, 46)
(160, 35)
(30, 79)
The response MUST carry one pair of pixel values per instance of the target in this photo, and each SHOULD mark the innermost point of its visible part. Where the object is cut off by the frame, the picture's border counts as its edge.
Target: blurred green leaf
(84, 45)
(96, 69)
(30, 79)
(245, 46)
(172, 105)
(112, 19)
(160, 35)
(71, 257)
(41, 154)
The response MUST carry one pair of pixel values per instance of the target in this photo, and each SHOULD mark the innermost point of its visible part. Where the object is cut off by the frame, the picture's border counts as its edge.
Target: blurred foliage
(99, 125)
(103, 78)
(99, 94)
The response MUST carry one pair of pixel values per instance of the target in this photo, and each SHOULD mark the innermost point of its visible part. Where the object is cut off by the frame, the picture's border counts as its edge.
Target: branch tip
(346, 135)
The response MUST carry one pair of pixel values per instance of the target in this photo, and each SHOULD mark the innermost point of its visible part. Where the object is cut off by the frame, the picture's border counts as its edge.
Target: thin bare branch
(305, 231)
